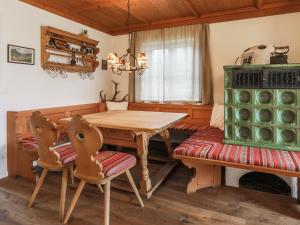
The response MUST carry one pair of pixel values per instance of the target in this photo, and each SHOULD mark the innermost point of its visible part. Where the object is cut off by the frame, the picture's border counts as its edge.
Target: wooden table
(134, 129)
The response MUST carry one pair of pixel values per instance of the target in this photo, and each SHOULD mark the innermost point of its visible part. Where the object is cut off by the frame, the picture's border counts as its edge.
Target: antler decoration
(116, 93)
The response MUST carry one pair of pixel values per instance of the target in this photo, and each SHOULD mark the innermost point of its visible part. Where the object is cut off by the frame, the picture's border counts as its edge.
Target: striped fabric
(65, 153)
(209, 134)
(187, 127)
(199, 149)
(115, 162)
(30, 143)
(209, 145)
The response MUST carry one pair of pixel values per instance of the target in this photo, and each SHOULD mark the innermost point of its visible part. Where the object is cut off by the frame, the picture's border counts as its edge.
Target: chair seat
(256, 156)
(115, 162)
(65, 152)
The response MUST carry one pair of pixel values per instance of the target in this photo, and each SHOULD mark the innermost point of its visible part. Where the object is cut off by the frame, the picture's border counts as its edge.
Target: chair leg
(74, 200)
(100, 187)
(131, 181)
(38, 187)
(71, 169)
(64, 183)
(106, 202)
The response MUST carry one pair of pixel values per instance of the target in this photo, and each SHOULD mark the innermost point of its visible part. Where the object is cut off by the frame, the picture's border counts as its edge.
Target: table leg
(142, 140)
(165, 134)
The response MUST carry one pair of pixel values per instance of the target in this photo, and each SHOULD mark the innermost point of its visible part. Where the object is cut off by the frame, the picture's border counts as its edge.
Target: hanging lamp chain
(128, 28)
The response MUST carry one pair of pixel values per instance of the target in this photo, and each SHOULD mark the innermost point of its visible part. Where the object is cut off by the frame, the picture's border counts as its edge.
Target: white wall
(27, 87)
(120, 45)
(230, 39)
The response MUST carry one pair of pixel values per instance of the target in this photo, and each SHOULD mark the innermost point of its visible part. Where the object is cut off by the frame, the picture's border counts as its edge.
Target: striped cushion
(209, 134)
(198, 148)
(115, 162)
(187, 127)
(30, 143)
(256, 156)
(65, 153)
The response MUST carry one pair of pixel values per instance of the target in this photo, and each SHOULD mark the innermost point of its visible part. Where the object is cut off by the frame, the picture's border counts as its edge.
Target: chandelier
(128, 61)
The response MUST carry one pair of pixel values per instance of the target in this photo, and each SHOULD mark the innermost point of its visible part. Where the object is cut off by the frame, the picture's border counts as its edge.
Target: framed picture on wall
(21, 55)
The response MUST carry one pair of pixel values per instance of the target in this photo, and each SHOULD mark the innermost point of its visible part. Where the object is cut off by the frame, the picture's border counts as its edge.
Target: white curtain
(175, 64)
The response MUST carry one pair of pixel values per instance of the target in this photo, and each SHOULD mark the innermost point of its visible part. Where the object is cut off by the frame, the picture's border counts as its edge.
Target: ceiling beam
(228, 15)
(68, 15)
(191, 7)
(258, 3)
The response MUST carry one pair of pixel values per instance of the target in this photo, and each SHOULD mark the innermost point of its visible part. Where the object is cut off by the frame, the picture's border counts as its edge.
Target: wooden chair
(52, 157)
(94, 166)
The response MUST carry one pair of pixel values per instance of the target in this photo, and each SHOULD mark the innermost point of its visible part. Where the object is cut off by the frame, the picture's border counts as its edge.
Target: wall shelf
(68, 52)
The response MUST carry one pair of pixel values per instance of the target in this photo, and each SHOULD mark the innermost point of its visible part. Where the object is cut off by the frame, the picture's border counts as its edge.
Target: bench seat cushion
(115, 162)
(187, 127)
(202, 144)
(209, 134)
(262, 157)
(30, 144)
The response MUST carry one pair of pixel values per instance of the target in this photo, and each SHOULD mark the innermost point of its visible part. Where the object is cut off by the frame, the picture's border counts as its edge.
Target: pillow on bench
(217, 117)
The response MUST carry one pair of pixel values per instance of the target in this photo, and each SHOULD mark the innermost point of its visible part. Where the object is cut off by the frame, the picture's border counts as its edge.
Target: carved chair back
(46, 133)
(86, 140)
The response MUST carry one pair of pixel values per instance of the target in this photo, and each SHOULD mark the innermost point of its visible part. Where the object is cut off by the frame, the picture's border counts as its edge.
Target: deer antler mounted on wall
(114, 98)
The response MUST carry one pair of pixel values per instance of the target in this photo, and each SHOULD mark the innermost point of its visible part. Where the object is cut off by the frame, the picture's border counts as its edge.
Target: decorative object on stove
(263, 54)
(114, 98)
(128, 61)
(259, 54)
(63, 53)
(280, 55)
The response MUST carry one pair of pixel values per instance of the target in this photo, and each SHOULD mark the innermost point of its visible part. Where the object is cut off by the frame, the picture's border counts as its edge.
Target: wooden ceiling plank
(259, 9)
(67, 15)
(258, 3)
(123, 7)
(191, 7)
(94, 5)
(228, 15)
(109, 3)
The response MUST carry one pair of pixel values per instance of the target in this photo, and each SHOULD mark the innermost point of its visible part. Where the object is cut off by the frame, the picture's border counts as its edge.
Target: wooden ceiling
(110, 16)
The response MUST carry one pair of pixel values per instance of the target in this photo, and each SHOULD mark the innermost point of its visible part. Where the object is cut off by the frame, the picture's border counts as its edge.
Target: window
(175, 65)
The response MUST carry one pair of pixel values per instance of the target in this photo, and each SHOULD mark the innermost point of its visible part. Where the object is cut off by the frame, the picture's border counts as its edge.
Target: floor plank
(168, 206)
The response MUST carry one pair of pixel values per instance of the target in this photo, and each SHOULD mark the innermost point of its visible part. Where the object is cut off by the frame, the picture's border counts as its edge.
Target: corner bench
(22, 148)
(205, 152)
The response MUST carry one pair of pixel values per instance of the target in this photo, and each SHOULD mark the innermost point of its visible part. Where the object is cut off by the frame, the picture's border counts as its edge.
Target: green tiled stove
(262, 106)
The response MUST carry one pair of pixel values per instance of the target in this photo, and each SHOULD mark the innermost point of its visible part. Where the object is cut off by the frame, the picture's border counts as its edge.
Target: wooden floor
(168, 206)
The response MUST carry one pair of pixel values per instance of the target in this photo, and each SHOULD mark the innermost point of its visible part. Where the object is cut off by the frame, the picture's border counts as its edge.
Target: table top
(133, 120)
